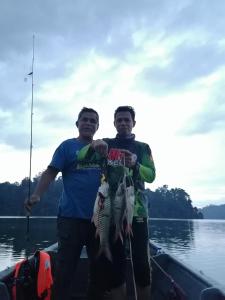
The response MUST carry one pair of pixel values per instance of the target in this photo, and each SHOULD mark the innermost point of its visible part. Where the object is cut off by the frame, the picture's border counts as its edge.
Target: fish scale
(102, 219)
(113, 210)
(118, 210)
(130, 197)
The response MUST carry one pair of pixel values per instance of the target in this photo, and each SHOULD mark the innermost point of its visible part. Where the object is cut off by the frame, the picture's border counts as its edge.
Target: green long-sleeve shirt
(144, 170)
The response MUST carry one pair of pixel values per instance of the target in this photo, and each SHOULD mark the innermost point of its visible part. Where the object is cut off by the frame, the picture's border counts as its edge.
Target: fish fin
(131, 232)
(128, 230)
(96, 233)
(105, 251)
(121, 237)
(118, 235)
(93, 219)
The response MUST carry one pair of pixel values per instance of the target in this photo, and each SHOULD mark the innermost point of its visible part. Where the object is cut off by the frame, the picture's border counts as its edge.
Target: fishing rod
(31, 134)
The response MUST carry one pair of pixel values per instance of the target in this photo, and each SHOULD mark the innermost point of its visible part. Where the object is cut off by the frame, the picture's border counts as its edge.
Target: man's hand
(130, 158)
(29, 202)
(101, 147)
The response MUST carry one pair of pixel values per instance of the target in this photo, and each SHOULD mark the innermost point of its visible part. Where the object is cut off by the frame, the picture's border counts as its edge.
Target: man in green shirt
(138, 161)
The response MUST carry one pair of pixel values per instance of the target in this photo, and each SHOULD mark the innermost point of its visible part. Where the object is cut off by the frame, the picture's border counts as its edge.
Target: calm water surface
(198, 243)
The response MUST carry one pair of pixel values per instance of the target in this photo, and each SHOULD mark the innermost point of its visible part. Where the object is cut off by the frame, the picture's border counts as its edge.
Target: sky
(166, 58)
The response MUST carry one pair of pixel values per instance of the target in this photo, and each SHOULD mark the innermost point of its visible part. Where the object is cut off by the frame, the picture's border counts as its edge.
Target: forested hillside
(172, 203)
(12, 197)
(214, 211)
(163, 202)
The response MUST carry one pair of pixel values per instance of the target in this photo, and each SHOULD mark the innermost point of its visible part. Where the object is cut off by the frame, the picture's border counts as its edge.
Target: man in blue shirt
(81, 179)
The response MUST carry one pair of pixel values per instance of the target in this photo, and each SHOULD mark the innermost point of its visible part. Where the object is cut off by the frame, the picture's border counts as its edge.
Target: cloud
(13, 89)
(21, 140)
(205, 17)
(159, 56)
(186, 62)
(211, 118)
(208, 121)
(13, 129)
(66, 33)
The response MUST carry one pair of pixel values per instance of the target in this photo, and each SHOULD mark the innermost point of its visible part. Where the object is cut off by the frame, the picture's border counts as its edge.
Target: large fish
(118, 210)
(102, 219)
(129, 198)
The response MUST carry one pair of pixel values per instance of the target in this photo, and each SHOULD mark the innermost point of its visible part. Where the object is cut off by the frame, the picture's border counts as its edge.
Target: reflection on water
(198, 243)
(14, 244)
(172, 232)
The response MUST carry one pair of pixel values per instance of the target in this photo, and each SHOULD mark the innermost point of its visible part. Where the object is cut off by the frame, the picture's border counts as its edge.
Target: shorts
(73, 234)
(141, 252)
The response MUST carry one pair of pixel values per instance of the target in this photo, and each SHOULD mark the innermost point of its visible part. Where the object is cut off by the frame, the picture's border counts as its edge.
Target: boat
(171, 279)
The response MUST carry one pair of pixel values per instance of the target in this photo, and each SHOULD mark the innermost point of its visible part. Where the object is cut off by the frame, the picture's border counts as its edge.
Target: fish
(118, 210)
(102, 219)
(130, 197)
(101, 194)
(113, 211)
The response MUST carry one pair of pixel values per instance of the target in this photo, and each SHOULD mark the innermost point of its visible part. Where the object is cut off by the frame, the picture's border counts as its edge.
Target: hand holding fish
(100, 146)
(129, 158)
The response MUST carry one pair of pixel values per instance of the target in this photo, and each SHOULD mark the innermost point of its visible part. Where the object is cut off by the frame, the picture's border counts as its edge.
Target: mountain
(213, 211)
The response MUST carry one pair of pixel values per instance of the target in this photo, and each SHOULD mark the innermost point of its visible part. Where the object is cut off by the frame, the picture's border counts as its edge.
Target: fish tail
(93, 219)
(118, 235)
(121, 237)
(105, 251)
(128, 230)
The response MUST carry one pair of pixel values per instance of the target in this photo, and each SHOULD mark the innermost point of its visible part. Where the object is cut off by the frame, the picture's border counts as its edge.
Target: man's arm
(98, 146)
(46, 178)
(146, 169)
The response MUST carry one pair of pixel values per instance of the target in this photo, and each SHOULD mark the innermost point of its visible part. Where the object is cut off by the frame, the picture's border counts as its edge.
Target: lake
(197, 243)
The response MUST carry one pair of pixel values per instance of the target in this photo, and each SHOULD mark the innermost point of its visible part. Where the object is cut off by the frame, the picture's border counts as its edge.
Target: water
(13, 239)
(198, 243)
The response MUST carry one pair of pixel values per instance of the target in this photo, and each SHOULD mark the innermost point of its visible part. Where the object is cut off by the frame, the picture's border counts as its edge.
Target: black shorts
(141, 252)
(106, 275)
(73, 234)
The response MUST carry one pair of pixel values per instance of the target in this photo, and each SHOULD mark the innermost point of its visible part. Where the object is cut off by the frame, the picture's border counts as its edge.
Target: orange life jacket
(44, 281)
(17, 268)
(44, 276)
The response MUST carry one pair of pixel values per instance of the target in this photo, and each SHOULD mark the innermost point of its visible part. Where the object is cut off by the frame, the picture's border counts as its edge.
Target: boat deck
(170, 279)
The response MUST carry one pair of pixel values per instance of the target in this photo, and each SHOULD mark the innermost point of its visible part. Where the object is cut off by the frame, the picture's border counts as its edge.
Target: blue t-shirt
(80, 181)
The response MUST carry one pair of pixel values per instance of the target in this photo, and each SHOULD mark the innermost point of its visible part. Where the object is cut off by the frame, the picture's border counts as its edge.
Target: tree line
(163, 202)
(172, 203)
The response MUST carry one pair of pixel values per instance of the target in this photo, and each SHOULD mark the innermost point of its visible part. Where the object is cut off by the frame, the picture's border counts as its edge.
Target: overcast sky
(166, 58)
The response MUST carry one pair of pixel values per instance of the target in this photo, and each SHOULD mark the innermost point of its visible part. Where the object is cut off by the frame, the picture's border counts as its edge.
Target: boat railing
(197, 285)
